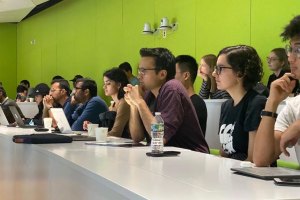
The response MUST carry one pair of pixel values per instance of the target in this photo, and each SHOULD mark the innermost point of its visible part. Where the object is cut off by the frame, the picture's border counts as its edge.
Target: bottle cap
(157, 113)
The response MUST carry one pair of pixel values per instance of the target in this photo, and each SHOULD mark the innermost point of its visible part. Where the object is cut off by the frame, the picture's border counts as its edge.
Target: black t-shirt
(201, 110)
(237, 121)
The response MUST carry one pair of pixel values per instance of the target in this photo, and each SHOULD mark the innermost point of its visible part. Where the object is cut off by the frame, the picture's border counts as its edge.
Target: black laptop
(18, 118)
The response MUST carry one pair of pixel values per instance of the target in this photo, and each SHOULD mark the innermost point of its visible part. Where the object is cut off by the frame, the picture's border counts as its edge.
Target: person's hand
(132, 95)
(290, 137)
(85, 125)
(282, 87)
(203, 75)
(48, 101)
(73, 101)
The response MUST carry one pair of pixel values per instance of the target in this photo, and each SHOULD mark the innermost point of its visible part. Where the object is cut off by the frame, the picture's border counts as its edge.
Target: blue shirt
(69, 109)
(88, 111)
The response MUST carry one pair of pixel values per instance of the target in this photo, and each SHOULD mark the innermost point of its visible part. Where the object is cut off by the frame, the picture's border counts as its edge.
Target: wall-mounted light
(164, 28)
(147, 29)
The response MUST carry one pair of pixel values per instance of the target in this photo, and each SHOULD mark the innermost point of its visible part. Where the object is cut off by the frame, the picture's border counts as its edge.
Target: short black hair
(3, 91)
(63, 84)
(88, 84)
(187, 63)
(57, 77)
(164, 60)
(25, 82)
(292, 29)
(21, 88)
(125, 66)
(119, 76)
(244, 61)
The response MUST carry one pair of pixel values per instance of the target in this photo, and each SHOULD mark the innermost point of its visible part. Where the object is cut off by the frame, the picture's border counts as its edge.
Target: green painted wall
(8, 58)
(89, 36)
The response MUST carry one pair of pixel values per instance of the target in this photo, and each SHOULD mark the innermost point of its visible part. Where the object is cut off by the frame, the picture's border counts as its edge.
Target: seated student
(59, 97)
(186, 73)
(114, 81)
(22, 92)
(209, 88)
(26, 83)
(278, 63)
(91, 104)
(285, 129)
(165, 95)
(5, 102)
(238, 70)
(40, 90)
(126, 67)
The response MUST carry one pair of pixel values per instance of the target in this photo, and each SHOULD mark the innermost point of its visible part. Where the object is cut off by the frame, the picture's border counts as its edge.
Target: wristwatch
(268, 114)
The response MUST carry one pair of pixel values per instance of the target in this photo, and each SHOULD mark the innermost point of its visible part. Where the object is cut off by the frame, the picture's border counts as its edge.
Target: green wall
(89, 36)
(8, 57)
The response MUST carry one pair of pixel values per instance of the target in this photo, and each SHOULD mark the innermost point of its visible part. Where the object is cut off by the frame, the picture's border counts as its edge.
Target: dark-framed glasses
(142, 70)
(219, 68)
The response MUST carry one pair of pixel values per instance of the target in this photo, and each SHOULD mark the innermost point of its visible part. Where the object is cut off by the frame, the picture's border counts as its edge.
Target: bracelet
(268, 114)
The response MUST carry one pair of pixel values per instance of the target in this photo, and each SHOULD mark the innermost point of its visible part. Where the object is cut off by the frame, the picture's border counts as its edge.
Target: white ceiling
(16, 10)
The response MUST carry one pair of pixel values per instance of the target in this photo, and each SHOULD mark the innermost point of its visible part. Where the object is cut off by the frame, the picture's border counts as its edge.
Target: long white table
(79, 171)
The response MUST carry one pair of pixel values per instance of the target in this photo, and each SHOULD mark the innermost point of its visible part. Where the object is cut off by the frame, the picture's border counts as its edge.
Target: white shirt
(289, 114)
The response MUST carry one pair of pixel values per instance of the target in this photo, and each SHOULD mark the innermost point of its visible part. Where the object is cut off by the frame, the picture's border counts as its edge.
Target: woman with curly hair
(238, 70)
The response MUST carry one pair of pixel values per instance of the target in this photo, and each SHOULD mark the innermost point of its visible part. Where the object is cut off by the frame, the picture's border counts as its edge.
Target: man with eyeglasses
(59, 97)
(91, 104)
(167, 96)
(275, 134)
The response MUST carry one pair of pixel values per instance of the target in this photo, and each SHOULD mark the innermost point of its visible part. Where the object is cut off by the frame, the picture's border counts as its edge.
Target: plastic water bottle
(157, 134)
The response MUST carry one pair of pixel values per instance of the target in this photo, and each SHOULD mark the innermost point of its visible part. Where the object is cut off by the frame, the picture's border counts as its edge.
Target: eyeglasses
(142, 70)
(219, 68)
(290, 50)
(78, 88)
(53, 90)
(270, 59)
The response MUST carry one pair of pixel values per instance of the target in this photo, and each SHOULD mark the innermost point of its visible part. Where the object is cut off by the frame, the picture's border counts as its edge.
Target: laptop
(269, 173)
(3, 119)
(18, 118)
(64, 126)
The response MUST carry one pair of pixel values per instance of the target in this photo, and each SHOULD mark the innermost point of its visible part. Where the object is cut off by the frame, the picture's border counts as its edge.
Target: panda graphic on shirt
(226, 139)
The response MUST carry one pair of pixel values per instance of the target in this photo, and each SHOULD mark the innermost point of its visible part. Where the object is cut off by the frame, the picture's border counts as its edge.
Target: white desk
(77, 171)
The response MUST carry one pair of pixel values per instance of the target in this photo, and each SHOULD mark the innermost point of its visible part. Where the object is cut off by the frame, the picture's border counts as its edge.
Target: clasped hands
(133, 95)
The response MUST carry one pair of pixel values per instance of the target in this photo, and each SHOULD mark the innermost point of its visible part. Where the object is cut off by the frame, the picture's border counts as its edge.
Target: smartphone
(41, 129)
(164, 154)
(287, 181)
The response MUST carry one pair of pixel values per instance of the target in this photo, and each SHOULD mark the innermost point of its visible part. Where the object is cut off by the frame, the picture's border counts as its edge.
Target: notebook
(18, 118)
(3, 119)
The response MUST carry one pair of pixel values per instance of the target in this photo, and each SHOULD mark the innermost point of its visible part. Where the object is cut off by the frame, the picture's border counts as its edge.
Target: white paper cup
(31, 99)
(48, 123)
(91, 129)
(101, 133)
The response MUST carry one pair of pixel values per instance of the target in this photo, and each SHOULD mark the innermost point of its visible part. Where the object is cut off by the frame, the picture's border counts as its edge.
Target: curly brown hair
(244, 61)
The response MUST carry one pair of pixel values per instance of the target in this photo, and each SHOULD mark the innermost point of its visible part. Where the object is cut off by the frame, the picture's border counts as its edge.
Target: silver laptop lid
(3, 119)
(61, 120)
